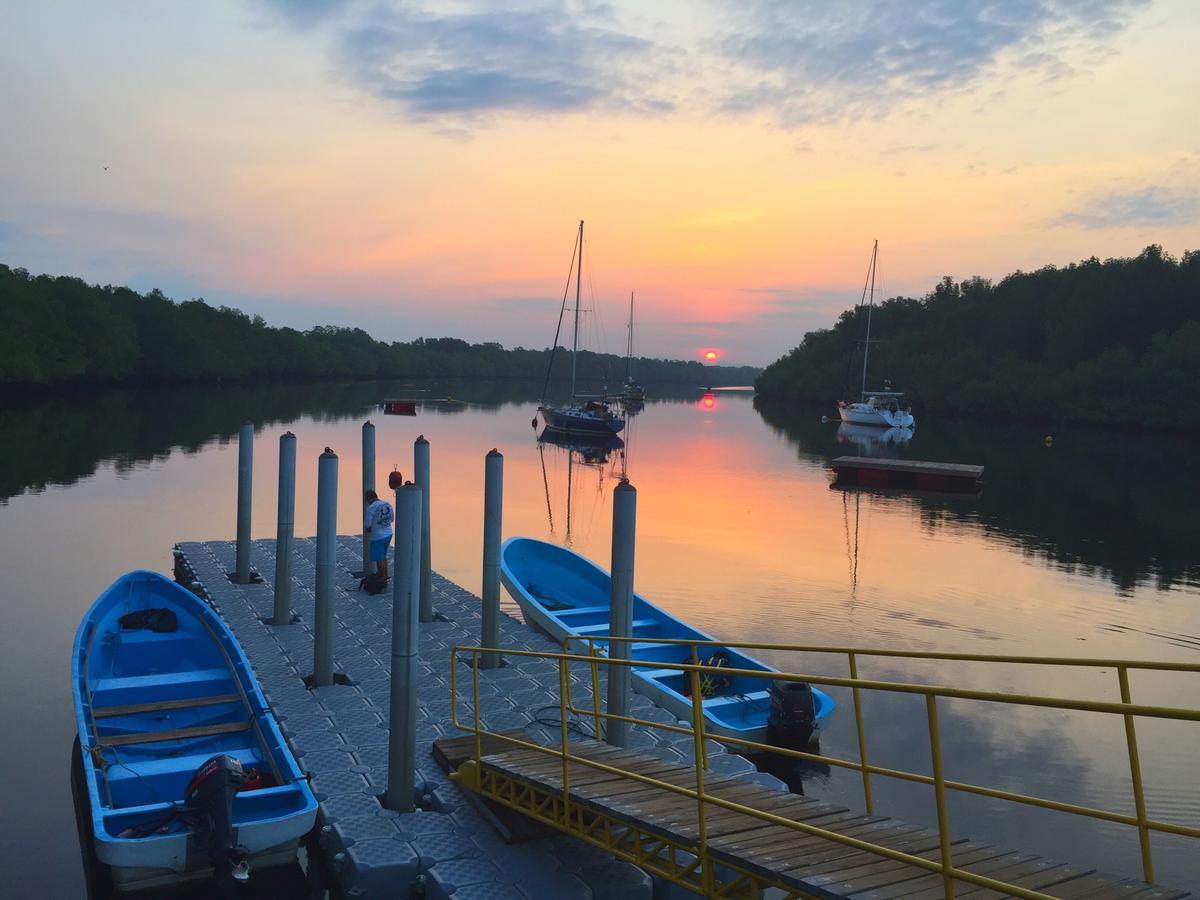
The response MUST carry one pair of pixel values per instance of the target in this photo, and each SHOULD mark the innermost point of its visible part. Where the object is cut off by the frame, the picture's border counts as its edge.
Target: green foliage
(60, 330)
(1109, 342)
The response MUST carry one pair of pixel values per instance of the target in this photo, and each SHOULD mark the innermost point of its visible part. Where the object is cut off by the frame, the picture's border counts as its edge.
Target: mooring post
(402, 704)
(421, 477)
(493, 501)
(285, 529)
(620, 620)
(327, 475)
(368, 478)
(245, 494)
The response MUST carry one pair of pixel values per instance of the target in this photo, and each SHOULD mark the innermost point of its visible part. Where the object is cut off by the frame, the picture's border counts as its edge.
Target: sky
(420, 169)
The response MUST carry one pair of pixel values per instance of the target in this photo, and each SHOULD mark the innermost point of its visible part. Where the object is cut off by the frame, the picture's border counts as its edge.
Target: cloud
(798, 61)
(479, 59)
(1153, 205)
(303, 14)
(814, 61)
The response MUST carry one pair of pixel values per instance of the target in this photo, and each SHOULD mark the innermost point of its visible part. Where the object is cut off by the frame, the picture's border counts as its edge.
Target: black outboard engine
(793, 715)
(210, 796)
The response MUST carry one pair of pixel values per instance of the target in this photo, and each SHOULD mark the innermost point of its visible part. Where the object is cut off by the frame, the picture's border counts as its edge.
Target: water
(1081, 548)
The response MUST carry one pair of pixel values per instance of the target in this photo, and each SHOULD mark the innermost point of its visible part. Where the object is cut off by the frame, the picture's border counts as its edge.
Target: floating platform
(450, 845)
(906, 474)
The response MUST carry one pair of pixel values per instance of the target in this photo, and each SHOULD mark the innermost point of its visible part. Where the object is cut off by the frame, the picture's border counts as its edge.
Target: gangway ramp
(661, 830)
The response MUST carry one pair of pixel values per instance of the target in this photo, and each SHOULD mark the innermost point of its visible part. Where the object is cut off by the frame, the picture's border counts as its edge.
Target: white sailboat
(886, 408)
(633, 392)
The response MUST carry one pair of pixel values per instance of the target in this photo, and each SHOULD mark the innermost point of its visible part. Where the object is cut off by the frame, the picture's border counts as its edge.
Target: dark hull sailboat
(591, 416)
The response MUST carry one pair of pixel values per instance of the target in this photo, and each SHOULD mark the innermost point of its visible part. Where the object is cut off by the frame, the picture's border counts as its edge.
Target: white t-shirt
(378, 518)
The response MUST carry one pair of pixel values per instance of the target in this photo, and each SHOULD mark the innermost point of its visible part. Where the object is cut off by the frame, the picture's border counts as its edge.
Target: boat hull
(862, 414)
(572, 420)
(565, 594)
(150, 708)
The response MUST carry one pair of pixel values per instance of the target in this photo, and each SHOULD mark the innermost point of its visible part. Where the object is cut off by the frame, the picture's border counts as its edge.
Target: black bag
(161, 620)
(373, 583)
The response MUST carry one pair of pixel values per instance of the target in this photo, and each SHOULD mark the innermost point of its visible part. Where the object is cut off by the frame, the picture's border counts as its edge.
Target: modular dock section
(906, 474)
(339, 734)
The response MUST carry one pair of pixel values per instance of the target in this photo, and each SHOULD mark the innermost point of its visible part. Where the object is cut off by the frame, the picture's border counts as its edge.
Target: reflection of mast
(546, 485)
(852, 549)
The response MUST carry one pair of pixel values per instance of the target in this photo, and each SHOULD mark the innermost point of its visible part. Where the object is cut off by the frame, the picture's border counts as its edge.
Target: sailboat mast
(578, 279)
(870, 307)
(629, 349)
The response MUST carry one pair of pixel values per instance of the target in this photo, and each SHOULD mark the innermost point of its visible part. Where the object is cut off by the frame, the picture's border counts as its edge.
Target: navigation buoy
(824, 420)
(534, 422)
(1049, 440)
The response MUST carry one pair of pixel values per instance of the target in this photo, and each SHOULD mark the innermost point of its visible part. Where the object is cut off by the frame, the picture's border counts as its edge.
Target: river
(1081, 546)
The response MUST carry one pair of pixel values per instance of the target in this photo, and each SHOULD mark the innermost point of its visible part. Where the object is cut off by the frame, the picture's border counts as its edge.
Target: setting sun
(711, 355)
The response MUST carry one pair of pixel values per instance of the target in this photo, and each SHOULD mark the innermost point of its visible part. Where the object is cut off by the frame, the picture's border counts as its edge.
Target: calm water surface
(1084, 548)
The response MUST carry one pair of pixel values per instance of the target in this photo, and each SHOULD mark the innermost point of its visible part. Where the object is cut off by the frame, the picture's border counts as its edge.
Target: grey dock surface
(339, 734)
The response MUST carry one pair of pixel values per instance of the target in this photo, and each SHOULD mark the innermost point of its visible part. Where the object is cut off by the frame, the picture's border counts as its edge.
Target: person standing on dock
(377, 524)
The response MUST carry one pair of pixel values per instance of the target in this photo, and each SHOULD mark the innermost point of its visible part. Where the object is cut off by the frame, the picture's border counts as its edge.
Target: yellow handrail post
(698, 738)
(454, 686)
(475, 700)
(563, 679)
(1135, 770)
(599, 723)
(939, 787)
(862, 737)
(702, 756)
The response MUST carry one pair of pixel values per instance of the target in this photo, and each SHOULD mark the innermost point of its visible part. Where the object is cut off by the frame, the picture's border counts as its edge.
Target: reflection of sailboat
(593, 451)
(871, 439)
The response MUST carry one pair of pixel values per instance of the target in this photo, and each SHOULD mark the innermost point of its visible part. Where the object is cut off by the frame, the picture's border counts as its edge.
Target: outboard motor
(210, 796)
(793, 715)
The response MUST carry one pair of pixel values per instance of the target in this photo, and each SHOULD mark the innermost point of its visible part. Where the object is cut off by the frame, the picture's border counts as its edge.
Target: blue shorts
(379, 549)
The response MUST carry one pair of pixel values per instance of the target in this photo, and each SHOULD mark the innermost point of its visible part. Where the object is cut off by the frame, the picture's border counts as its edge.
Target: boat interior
(576, 593)
(157, 705)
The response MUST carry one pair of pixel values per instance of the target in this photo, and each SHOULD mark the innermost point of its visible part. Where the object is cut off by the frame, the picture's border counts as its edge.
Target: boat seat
(735, 699)
(580, 610)
(176, 734)
(108, 712)
(122, 682)
(155, 637)
(173, 765)
(658, 674)
(602, 627)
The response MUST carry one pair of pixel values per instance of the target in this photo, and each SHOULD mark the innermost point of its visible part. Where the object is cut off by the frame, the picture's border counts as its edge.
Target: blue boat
(564, 593)
(161, 686)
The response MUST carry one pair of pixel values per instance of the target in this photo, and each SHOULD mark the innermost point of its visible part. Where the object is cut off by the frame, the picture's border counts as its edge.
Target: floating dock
(339, 734)
(906, 474)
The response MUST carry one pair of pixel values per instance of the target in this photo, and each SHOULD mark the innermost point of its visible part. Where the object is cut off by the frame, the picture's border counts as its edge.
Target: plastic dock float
(906, 474)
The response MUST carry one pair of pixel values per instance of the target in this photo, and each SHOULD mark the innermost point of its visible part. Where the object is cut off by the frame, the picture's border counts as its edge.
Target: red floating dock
(906, 474)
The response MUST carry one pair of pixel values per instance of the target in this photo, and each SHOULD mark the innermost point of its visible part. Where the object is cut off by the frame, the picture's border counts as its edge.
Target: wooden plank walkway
(807, 864)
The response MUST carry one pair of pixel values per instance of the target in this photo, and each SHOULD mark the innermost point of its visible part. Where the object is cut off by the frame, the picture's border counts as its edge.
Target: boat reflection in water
(873, 441)
(603, 454)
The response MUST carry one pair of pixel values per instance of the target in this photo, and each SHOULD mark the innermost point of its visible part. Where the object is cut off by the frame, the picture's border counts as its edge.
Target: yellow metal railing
(700, 875)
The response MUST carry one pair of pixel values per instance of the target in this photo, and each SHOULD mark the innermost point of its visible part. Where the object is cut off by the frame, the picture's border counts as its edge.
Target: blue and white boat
(156, 696)
(564, 594)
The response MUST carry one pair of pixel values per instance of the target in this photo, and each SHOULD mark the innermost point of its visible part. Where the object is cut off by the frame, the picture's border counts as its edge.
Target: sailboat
(886, 408)
(633, 392)
(592, 415)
